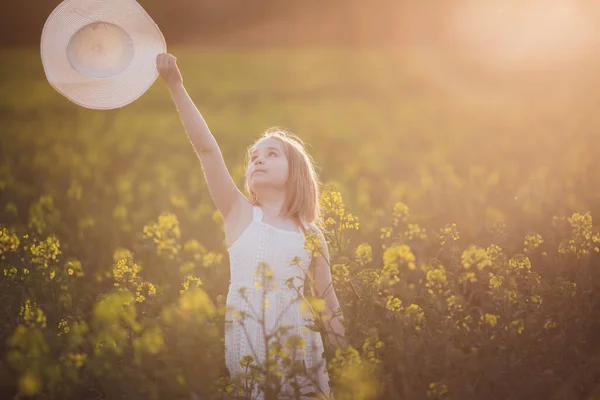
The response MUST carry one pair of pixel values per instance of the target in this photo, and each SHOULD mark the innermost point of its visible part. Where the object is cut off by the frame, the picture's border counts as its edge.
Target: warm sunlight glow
(504, 54)
(523, 34)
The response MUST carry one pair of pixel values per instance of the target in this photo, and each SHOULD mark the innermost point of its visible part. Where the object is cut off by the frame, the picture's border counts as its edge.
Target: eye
(274, 153)
(253, 158)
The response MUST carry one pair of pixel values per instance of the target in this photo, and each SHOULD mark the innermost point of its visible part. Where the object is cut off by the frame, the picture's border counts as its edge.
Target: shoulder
(242, 209)
(313, 229)
(239, 217)
(316, 238)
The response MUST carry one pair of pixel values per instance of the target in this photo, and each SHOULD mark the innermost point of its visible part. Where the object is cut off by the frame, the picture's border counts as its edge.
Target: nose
(258, 160)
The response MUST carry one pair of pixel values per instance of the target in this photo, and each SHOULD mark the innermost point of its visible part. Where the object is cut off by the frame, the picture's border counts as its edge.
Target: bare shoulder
(318, 238)
(237, 220)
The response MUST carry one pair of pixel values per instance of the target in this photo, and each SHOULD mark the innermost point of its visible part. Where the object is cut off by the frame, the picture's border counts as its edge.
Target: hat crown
(100, 50)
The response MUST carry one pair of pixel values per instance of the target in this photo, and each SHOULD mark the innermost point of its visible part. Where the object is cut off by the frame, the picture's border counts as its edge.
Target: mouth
(258, 170)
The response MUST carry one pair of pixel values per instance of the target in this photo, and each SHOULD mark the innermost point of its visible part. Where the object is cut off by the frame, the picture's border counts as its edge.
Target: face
(268, 166)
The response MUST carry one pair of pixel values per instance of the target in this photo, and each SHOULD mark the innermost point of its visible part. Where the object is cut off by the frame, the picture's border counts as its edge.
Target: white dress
(284, 252)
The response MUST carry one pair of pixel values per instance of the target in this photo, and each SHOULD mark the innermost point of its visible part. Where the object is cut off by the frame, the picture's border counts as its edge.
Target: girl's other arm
(221, 186)
(324, 288)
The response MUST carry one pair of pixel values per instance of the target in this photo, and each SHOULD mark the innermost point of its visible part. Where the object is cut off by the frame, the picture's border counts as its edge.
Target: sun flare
(526, 33)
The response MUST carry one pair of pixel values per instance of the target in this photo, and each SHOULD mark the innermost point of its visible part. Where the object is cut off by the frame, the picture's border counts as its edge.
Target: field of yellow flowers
(463, 247)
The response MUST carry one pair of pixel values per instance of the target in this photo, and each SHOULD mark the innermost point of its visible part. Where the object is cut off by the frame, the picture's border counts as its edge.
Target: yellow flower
(475, 256)
(532, 242)
(436, 280)
(311, 304)
(192, 280)
(370, 278)
(363, 254)
(495, 281)
(399, 254)
(9, 241)
(448, 231)
(211, 259)
(75, 267)
(569, 288)
(520, 263)
(400, 213)
(196, 300)
(32, 314)
(536, 299)
(46, 251)
(313, 243)
(416, 312)
(354, 376)
(550, 324)
(151, 288)
(193, 245)
(121, 254)
(582, 239)
(332, 205)
(386, 233)
(467, 276)
(436, 390)
(414, 232)
(295, 342)
(187, 267)
(369, 346)
(340, 273)
(453, 303)
(393, 303)
(490, 319)
(516, 326)
(165, 234)
(64, 326)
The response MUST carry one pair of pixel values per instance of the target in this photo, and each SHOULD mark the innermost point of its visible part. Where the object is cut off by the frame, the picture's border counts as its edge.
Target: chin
(258, 187)
(258, 181)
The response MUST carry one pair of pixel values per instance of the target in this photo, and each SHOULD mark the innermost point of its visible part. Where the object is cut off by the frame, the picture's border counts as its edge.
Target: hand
(167, 68)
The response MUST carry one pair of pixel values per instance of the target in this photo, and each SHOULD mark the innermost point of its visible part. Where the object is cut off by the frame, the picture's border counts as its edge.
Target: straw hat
(101, 54)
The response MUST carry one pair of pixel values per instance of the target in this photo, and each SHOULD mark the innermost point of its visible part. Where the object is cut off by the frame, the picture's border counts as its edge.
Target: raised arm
(221, 186)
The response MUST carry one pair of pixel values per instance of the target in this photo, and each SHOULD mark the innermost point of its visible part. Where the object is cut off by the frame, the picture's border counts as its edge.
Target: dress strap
(257, 214)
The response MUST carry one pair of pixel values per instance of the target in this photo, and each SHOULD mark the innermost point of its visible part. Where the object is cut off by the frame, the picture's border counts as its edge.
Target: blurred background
(484, 114)
(470, 50)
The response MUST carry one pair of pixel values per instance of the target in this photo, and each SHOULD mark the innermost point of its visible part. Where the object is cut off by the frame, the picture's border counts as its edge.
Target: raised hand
(168, 70)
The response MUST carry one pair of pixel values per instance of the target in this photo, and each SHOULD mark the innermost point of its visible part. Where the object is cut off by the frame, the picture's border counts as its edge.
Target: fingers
(165, 61)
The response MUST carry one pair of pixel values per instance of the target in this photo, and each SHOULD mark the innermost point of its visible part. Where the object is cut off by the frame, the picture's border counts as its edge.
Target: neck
(272, 202)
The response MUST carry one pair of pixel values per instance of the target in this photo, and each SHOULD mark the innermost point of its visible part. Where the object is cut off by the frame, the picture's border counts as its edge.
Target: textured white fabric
(284, 252)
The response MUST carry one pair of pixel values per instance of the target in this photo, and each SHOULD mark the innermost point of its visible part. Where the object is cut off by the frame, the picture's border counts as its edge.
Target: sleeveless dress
(284, 253)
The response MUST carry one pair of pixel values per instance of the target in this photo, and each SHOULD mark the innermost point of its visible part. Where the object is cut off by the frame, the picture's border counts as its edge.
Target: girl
(266, 235)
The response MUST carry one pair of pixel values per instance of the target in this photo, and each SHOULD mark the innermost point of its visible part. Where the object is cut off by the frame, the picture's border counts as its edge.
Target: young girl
(266, 237)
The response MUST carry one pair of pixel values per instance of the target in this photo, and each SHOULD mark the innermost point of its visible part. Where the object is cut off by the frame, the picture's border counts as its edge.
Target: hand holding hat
(101, 54)
(166, 65)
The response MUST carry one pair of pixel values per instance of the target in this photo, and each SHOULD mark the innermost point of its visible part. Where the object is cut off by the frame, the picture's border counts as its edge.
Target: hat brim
(109, 92)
